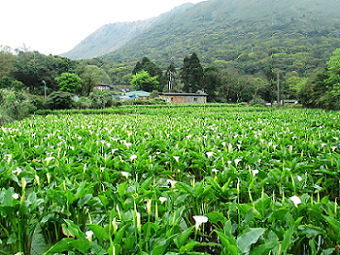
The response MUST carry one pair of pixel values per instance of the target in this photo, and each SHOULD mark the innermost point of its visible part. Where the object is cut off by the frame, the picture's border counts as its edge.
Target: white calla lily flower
(199, 220)
(296, 200)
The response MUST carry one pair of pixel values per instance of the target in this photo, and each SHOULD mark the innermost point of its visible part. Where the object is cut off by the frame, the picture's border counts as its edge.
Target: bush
(7, 83)
(14, 105)
(59, 100)
(37, 101)
(257, 101)
(82, 103)
(156, 101)
(4, 119)
(154, 93)
(294, 106)
(137, 101)
(2, 99)
(99, 100)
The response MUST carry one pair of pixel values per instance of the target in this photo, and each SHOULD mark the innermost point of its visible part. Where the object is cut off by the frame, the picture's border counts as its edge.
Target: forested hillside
(112, 36)
(291, 35)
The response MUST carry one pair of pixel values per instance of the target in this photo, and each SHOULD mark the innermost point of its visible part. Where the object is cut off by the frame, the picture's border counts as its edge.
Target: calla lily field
(209, 179)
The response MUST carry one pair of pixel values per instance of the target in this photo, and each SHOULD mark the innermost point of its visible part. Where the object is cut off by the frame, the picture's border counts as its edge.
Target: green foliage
(4, 119)
(59, 100)
(7, 61)
(235, 88)
(211, 81)
(7, 83)
(82, 103)
(33, 67)
(192, 74)
(92, 76)
(69, 82)
(15, 105)
(333, 81)
(248, 38)
(296, 84)
(257, 101)
(100, 100)
(142, 80)
(323, 88)
(153, 70)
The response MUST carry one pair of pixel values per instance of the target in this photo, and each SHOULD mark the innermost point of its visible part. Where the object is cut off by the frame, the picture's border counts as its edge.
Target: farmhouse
(185, 98)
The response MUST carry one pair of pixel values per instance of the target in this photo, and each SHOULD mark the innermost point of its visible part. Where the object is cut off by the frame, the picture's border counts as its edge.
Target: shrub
(37, 101)
(82, 103)
(7, 83)
(59, 100)
(155, 101)
(294, 106)
(4, 119)
(14, 105)
(257, 101)
(99, 100)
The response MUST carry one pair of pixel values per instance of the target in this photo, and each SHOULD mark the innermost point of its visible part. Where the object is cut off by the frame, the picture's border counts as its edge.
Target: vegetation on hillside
(113, 36)
(251, 37)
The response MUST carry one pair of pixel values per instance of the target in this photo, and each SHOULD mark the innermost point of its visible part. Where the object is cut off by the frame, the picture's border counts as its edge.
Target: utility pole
(44, 82)
(170, 81)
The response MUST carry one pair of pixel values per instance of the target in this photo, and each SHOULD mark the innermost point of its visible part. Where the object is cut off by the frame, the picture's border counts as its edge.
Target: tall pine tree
(192, 74)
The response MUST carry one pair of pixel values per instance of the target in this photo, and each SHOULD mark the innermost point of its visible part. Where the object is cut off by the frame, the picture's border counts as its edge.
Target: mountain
(250, 35)
(112, 36)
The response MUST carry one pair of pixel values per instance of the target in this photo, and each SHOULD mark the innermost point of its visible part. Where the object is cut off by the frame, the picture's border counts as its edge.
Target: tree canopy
(323, 87)
(143, 81)
(152, 69)
(92, 76)
(69, 82)
(192, 74)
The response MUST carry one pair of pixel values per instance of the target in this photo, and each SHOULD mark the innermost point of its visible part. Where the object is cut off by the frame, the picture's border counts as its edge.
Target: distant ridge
(111, 37)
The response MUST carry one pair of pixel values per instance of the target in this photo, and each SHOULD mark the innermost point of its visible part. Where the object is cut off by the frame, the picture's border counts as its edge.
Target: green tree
(7, 60)
(323, 87)
(192, 74)
(333, 82)
(7, 82)
(196, 73)
(185, 74)
(143, 81)
(236, 88)
(33, 67)
(69, 82)
(315, 89)
(59, 100)
(92, 76)
(260, 86)
(152, 69)
(138, 67)
(295, 84)
(211, 82)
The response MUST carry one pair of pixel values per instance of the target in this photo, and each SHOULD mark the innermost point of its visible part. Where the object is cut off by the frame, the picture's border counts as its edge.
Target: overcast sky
(55, 27)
